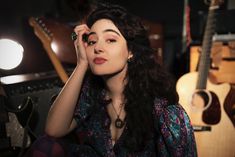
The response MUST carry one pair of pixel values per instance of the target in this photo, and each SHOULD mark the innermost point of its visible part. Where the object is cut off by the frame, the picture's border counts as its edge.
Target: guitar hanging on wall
(204, 101)
(47, 38)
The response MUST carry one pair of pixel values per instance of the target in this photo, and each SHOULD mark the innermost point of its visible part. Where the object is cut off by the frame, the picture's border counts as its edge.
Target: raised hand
(80, 44)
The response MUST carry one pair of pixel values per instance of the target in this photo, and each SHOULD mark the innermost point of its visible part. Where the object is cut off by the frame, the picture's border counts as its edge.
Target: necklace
(118, 122)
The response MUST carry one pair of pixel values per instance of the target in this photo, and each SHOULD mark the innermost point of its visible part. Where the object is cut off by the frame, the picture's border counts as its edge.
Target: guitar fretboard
(204, 64)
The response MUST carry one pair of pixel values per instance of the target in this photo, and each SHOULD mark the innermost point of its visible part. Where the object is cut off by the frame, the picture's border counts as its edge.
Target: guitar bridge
(198, 128)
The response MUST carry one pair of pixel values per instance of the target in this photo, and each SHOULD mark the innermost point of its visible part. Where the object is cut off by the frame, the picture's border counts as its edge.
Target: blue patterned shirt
(171, 123)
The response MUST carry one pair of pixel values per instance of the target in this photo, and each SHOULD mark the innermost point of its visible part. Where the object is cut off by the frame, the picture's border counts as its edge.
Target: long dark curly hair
(147, 79)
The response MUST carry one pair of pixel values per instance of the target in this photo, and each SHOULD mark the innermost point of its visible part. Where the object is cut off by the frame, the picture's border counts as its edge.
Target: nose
(98, 47)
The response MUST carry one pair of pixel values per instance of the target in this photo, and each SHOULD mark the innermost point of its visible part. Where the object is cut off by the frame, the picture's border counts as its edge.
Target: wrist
(83, 64)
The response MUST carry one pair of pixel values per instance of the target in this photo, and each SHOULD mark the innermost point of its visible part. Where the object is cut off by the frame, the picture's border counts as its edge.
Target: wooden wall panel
(223, 62)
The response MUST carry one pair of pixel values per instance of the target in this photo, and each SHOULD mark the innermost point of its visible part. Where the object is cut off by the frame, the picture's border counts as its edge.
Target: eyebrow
(111, 30)
(106, 30)
(90, 34)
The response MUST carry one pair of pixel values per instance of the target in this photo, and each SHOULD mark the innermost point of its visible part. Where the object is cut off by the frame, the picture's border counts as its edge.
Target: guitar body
(16, 131)
(219, 140)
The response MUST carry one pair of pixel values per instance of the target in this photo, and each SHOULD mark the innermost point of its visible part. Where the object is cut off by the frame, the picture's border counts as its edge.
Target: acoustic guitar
(204, 102)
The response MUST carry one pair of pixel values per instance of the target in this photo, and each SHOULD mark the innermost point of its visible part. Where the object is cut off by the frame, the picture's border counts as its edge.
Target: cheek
(89, 55)
(119, 59)
(121, 55)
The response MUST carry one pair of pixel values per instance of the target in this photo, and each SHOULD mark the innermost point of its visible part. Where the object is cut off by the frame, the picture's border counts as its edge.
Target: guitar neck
(56, 63)
(204, 64)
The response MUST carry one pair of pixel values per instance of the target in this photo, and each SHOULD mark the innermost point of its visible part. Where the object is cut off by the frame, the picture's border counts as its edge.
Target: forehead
(103, 24)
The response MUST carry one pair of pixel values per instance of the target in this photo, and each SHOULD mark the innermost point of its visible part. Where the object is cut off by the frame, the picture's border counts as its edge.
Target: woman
(119, 100)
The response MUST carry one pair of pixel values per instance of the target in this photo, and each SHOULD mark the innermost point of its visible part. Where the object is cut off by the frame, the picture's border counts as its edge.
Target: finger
(79, 44)
(79, 28)
(79, 32)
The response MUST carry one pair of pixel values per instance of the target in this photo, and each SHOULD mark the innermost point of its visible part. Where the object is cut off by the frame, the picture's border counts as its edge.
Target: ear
(130, 55)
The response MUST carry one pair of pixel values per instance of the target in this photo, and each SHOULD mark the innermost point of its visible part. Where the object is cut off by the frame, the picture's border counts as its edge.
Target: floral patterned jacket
(176, 137)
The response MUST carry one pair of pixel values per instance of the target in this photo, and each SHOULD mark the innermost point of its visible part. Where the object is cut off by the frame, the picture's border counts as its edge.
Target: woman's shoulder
(85, 103)
(163, 106)
(176, 132)
(169, 113)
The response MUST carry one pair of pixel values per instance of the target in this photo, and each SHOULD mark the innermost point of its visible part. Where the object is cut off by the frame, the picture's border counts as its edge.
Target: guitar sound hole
(200, 100)
(208, 103)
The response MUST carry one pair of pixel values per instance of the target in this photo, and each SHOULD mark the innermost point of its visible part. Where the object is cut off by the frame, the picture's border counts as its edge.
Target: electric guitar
(57, 43)
(204, 102)
(14, 130)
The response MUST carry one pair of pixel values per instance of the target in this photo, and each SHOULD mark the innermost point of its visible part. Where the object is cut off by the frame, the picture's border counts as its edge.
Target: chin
(99, 72)
(103, 72)
(107, 70)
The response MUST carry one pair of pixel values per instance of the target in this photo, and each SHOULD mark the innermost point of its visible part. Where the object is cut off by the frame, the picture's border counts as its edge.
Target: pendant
(119, 123)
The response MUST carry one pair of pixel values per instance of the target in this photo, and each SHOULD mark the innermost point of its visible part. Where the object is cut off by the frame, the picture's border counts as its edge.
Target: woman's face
(106, 49)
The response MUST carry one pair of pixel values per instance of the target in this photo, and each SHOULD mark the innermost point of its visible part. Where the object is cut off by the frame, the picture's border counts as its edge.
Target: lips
(99, 60)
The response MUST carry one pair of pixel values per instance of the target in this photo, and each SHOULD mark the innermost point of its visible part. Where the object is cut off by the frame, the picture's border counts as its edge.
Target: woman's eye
(91, 42)
(111, 40)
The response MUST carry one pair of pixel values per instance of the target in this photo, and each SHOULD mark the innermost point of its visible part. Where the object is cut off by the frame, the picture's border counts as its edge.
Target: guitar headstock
(214, 3)
(41, 30)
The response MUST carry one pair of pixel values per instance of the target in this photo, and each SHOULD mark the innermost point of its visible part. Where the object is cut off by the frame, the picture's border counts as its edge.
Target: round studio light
(11, 54)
